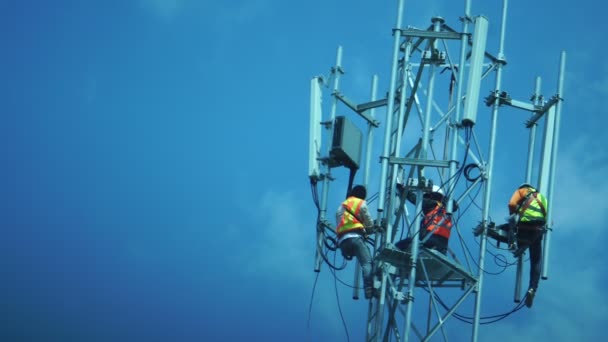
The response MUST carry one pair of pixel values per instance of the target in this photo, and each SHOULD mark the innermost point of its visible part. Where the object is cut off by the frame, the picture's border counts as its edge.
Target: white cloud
(285, 237)
(283, 249)
(570, 306)
(580, 187)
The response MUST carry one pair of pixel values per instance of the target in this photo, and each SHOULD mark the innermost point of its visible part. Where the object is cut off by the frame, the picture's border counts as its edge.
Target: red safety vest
(350, 223)
(438, 218)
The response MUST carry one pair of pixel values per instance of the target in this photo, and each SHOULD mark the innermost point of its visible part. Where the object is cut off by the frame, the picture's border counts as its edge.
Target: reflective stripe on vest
(348, 221)
(438, 218)
(532, 208)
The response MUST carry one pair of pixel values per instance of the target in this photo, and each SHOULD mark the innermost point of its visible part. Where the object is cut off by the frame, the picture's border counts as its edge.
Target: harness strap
(354, 215)
(527, 202)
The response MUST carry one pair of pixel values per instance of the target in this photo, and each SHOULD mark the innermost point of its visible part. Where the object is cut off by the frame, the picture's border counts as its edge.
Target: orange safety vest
(438, 218)
(350, 223)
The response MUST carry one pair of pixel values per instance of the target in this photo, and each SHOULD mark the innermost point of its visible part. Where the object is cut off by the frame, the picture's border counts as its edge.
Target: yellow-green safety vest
(533, 207)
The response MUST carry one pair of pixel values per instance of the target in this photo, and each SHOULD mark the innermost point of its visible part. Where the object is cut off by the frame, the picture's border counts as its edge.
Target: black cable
(478, 266)
(501, 256)
(339, 307)
(462, 211)
(312, 295)
(334, 243)
(468, 132)
(334, 269)
(467, 171)
(469, 320)
(456, 175)
(372, 198)
(351, 179)
(468, 135)
(326, 238)
(403, 230)
(344, 283)
(332, 266)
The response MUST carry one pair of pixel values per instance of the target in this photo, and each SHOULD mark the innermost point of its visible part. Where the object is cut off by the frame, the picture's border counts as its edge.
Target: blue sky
(155, 166)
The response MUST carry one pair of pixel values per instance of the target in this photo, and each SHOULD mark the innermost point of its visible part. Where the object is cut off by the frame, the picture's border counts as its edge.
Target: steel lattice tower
(414, 109)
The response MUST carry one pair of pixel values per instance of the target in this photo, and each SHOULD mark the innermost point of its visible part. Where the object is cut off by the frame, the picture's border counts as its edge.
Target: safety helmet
(435, 193)
(437, 189)
(525, 185)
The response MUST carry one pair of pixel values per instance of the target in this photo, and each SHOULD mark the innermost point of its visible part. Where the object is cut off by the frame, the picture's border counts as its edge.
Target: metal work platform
(441, 271)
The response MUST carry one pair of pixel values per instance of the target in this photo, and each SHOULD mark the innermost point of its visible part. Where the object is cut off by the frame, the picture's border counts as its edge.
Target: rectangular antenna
(315, 127)
(478, 51)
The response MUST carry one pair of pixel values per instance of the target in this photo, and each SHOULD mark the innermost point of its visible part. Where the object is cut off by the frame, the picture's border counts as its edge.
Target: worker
(526, 227)
(436, 221)
(354, 222)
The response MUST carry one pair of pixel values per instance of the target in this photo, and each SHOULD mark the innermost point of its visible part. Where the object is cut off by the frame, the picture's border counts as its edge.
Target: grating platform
(442, 272)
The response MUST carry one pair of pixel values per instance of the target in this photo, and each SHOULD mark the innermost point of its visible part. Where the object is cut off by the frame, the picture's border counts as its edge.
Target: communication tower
(445, 152)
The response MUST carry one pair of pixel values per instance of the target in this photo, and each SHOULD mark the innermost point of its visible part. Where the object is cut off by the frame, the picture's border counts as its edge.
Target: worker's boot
(368, 288)
(530, 297)
(369, 292)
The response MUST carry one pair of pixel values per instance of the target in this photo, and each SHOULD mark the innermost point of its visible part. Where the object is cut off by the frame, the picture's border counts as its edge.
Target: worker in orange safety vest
(354, 222)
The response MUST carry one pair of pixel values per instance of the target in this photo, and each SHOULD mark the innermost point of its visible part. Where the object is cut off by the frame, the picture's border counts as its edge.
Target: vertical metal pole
(488, 188)
(558, 114)
(537, 101)
(456, 118)
(423, 155)
(546, 165)
(368, 156)
(337, 71)
(545, 159)
(389, 117)
(370, 133)
(387, 143)
(399, 131)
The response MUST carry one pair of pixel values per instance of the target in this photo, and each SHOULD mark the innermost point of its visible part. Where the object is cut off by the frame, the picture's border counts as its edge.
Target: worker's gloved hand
(375, 229)
(379, 229)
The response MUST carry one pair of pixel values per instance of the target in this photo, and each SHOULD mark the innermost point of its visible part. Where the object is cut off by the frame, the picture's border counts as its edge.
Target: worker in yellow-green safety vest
(353, 223)
(526, 227)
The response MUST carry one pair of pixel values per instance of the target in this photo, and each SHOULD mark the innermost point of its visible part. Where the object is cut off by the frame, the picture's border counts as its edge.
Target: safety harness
(527, 201)
(531, 196)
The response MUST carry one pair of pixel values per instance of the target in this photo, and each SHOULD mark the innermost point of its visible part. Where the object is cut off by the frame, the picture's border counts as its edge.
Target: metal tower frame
(399, 274)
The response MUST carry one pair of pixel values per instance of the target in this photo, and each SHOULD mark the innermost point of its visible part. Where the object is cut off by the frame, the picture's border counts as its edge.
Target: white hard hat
(437, 189)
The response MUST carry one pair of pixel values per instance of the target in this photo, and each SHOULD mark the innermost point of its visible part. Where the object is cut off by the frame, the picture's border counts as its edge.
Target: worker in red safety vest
(436, 221)
(353, 223)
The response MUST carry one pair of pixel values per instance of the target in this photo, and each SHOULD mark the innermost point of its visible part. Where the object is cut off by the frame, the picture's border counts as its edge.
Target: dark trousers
(529, 236)
(533, 239)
